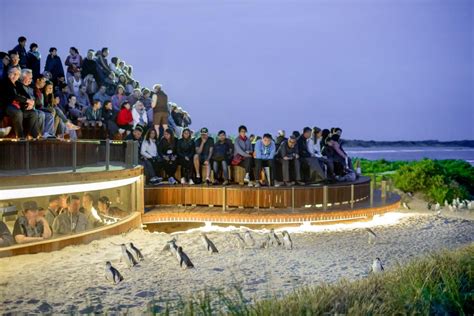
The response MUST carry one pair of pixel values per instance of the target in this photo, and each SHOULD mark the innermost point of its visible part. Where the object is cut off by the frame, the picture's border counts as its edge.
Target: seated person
(53, 209)
(101, 95)
(149, 156)
(109, 119)
(185, 149)
(204, 150)
(314, 148)
(287, 155)
(18, 107)
(92, 216)
(94, 114)
(107, 213)
(243, 153)
(338, 160)
(167, 153)
(83, 98)
(220, 157)
(280, 139)
(125, 118)
(311, 163)
(30, 227)
(264, 157)
(74, 111)
(139, 114)
(71, 221)
(6, 238)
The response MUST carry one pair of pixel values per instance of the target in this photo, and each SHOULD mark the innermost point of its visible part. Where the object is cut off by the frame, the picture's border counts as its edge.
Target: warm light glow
(63, 189)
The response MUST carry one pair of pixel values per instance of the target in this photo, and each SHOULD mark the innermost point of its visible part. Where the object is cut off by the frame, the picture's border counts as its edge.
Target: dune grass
(438, 284)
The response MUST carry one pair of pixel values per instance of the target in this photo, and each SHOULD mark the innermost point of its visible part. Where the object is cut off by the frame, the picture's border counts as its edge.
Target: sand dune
(72, 280)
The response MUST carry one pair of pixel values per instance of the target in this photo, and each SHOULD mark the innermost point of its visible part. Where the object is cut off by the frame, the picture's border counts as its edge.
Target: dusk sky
(382, 70)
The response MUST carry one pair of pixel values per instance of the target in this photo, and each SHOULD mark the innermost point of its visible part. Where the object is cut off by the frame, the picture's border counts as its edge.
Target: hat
(30, 205)
(138, 128)
(204, 130)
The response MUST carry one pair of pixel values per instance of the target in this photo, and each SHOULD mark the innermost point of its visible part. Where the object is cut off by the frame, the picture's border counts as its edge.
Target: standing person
(185, 149)
(71, 221)
(18, 107)
(109, 119)
(149, 156)
(4, 65)
(21, 50)
(243, 153)
(54, 66)
(264, 157)
(89, 66)
(221, 155)
(159, 104)
(30, 227)
(307, 161)
(288, 156)
(33, 60)
(204, 150)
(73, 62)
(125, 118)
(167, 153)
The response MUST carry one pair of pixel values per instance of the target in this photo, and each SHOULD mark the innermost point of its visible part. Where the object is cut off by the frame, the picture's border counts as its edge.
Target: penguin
(287, 240)
(405, 205)
(266, 243)
(128, 257)
(372, 236)
(208, 244)
(171, 247)
(183, 259)
(470, 205)
(274, 238)
(451, 208)
(377, 266)
(429, 206)
(249, 239)
(240, 240)
(437, 207)
(112, 274)
(410, 194)
(137, 252)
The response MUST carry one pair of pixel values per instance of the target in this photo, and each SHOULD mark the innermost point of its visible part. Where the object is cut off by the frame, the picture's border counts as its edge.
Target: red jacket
(124, 117)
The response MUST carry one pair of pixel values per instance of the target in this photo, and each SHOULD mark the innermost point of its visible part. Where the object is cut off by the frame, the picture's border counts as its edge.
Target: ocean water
(413, 153)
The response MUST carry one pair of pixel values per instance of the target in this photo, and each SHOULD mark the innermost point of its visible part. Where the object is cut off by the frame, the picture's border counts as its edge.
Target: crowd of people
(315, 155)
(64, 215)
(91, 92)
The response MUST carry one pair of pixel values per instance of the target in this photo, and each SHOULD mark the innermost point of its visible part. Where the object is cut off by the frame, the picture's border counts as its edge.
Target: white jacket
(149, 149)
(313, 148)
(136, 117)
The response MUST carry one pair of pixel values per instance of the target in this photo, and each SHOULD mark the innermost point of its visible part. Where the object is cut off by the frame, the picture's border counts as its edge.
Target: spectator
(109, 118)
(280, 138)
(265, 157)
(102, 64)
(221, 155)
(74, 110)
(243, 153)
(288, 155)
(139, 114)
(30, 227)
(109, 214)
(54, 66)
(94, 114)
(6, 238)
(14, 62)
(73, 62)
(146, 99)
(33, 60)
(53, 209)
(21, 50)
(74, 83)
(91, 85)
(19, 108)
(150, 175)
(185, 149)
(159, 103)
(119, 97)
(4, 65)
(186, 119)
(82, 98)
(167, 154)
(336, 156)
(306, 159)
(204, 150)
(135, 96)
(63, 94)
(149, 154)
(61, 122)
(89, 66)
(70, 221)
(92, 216)
(314, 143)
(101, 95)
(47, 113)
(125, 118)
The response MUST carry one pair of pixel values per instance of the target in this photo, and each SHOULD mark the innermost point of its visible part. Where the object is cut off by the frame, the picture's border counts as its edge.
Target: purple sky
(383, 70)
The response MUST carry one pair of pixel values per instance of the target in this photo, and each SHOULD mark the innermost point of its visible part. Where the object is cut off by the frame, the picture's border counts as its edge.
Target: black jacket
(186, 148)
(10, 94)
(303, 150)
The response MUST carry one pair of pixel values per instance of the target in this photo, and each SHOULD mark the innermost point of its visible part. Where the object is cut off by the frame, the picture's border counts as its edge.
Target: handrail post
(224, 199)
(325, 197)
(352, 195)
(27, 160)
(74, 155)
(292, 198)
(372, 185)
(107, 154)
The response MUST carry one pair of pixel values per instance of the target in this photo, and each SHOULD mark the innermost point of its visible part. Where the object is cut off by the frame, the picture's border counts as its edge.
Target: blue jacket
(264, 152)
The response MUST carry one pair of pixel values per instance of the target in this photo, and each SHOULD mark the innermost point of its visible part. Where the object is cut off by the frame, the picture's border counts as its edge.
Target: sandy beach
(72, 280)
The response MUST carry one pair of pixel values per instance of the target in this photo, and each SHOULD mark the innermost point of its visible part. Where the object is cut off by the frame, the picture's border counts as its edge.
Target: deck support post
(352, 195)
(74, 155)
(325, 197)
